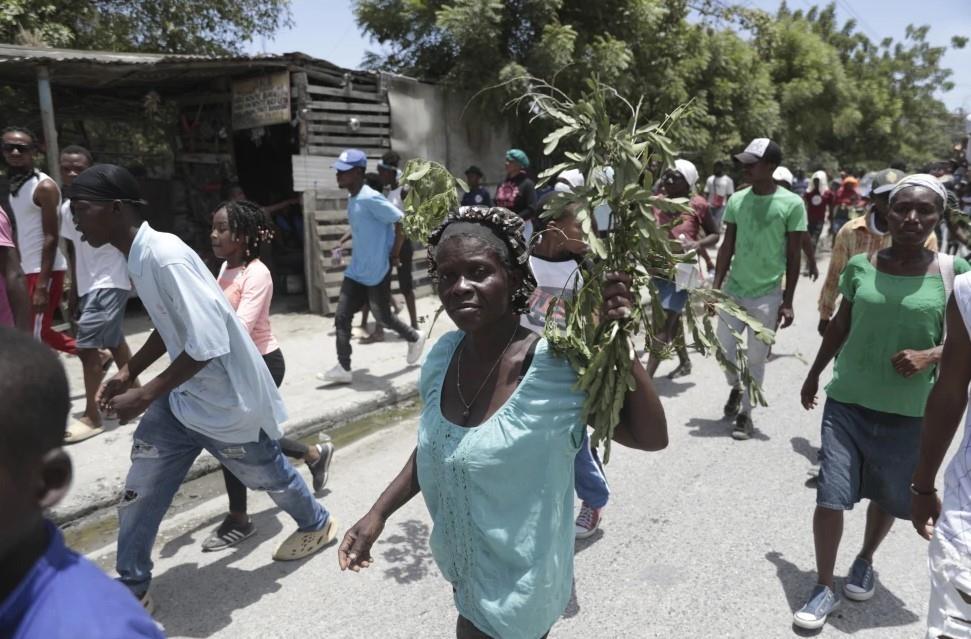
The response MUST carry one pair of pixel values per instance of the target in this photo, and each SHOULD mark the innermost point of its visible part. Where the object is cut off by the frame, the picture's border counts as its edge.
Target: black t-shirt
(518, 194)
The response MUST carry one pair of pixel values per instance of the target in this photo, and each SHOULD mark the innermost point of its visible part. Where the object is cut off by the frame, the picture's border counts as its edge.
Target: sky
(326, 29)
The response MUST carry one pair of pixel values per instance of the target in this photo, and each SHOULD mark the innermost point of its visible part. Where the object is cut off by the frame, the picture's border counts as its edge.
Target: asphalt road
(709, 538)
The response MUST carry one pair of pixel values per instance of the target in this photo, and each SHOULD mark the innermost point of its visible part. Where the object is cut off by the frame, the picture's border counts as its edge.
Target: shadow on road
(718, 428)
(669, 388)
(408, 552)
(185, 596)
(364, 381)
(802, 446)
(188, 537)
(583, 544)
(885, 610)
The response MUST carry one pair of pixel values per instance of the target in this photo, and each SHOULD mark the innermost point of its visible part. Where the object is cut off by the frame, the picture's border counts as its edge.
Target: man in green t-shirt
(764, 225)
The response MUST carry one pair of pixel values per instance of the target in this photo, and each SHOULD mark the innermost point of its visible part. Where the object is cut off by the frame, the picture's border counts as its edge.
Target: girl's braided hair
(247, 220)
(508, 228)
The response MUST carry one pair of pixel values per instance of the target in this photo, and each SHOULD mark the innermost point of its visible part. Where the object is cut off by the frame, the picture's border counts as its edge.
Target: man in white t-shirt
(34, 201)
(403, 251)
(718, 188)
(99, 295)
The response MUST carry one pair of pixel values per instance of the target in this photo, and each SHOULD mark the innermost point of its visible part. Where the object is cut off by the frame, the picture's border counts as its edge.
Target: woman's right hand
(355, 551)
(809, 389)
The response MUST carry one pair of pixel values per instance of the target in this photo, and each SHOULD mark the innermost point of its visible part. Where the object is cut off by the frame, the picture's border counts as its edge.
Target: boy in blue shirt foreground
(47, 590)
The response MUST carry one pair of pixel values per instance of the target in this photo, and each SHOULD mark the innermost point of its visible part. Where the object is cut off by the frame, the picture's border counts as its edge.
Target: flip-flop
(303, 544)
(78, 431)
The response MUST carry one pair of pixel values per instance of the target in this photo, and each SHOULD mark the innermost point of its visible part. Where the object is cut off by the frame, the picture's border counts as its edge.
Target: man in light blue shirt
(216, 395)
(368, 277)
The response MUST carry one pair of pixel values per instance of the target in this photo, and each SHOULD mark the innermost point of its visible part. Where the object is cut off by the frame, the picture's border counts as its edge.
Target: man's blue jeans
(588, 476)
(162, 453)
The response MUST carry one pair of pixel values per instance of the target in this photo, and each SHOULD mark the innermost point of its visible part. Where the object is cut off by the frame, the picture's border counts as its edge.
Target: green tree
(826, 91)
(843, 96)
(162, 26)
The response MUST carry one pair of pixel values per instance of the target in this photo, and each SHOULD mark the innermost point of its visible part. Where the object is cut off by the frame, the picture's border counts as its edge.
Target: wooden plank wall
(332, 102)
(327, 102)
(325, 215)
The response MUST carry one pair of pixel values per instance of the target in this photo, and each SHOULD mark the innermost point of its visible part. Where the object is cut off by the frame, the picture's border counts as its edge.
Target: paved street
(709, 538)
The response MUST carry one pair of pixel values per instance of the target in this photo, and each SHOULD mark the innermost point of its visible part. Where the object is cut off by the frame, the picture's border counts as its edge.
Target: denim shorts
(867, 454)
(670, 297)
(102, 318)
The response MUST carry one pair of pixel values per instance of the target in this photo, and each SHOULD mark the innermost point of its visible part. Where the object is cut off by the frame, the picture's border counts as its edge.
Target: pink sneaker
(588, 521)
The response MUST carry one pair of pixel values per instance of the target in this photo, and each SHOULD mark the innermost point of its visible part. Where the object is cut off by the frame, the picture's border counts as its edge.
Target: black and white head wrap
(498, 228)
(923, 180)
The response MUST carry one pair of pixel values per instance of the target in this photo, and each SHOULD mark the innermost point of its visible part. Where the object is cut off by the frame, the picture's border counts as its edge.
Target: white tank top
(954, 524)
(30, 230)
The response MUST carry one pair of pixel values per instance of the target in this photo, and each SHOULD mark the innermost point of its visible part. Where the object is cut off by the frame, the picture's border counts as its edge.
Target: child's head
(473, 176)
(239, 229)
(561, 235)
(35, 472)
(374, 181)
(75, 160)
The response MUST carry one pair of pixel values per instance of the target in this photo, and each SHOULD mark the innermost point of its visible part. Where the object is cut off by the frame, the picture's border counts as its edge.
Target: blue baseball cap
(351, 159)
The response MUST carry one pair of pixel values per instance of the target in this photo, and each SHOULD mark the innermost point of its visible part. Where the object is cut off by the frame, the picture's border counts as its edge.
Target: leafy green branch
(619, 158)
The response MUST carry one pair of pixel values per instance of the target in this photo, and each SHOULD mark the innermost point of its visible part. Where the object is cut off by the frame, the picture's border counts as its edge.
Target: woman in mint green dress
(500, 427)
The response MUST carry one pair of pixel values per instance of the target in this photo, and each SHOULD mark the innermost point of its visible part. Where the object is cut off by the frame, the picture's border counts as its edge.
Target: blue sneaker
(859, 584)
(813, 614)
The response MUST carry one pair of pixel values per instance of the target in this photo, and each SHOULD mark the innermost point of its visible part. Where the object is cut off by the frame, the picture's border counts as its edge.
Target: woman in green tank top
(887, 334)
(498, 434)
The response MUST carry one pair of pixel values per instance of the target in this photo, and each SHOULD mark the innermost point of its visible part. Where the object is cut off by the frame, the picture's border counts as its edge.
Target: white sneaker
(336, 375)
(415, 349)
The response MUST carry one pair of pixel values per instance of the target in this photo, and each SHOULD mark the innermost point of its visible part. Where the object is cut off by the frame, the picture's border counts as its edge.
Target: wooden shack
(189, 126)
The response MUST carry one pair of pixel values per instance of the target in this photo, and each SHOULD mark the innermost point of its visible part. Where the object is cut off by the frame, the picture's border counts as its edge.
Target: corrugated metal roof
(19, 53)
(104, 69)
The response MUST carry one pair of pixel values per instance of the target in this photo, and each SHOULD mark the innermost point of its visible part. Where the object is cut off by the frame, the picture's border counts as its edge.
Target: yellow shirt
(854, 238)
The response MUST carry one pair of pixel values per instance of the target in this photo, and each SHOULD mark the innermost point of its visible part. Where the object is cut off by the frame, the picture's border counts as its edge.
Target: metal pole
(47, 118)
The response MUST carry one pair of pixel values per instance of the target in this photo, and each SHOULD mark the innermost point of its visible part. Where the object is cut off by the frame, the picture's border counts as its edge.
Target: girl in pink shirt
(239, 229)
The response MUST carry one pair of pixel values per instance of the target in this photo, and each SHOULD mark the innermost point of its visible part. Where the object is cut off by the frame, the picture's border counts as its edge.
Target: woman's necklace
(458, 376)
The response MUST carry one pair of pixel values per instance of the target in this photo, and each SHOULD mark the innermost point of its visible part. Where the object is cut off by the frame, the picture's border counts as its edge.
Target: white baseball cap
(569, 180)
(782, 174)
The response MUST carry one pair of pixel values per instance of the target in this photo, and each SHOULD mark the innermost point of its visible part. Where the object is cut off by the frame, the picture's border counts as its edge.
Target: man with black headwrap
(217, 394)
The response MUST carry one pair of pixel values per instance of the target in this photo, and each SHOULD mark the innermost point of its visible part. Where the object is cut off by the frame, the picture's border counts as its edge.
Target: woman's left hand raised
(618, 298)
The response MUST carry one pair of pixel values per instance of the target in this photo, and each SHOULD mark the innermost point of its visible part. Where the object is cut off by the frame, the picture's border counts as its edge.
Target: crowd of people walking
(496, 461)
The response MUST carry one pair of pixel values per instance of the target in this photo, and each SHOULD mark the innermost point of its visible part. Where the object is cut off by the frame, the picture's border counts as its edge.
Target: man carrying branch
(763, 233)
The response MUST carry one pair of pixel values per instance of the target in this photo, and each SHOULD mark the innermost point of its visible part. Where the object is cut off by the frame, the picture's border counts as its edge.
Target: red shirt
(691, 222)
(846, 196)
(816, 204)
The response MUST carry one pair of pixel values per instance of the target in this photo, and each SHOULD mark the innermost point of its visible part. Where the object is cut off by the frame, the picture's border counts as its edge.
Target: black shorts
(406, 281)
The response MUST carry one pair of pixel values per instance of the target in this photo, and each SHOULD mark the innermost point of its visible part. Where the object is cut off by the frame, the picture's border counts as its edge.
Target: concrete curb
(206, 463)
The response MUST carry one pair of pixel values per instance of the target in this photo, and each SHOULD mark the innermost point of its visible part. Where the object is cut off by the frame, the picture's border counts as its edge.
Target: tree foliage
(162, 26)
(824, 89)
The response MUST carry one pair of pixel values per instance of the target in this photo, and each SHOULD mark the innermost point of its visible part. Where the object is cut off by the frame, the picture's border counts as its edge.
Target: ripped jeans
(162, 453)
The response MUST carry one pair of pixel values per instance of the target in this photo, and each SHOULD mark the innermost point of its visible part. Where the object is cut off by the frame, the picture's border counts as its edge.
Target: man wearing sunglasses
(34, 201)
